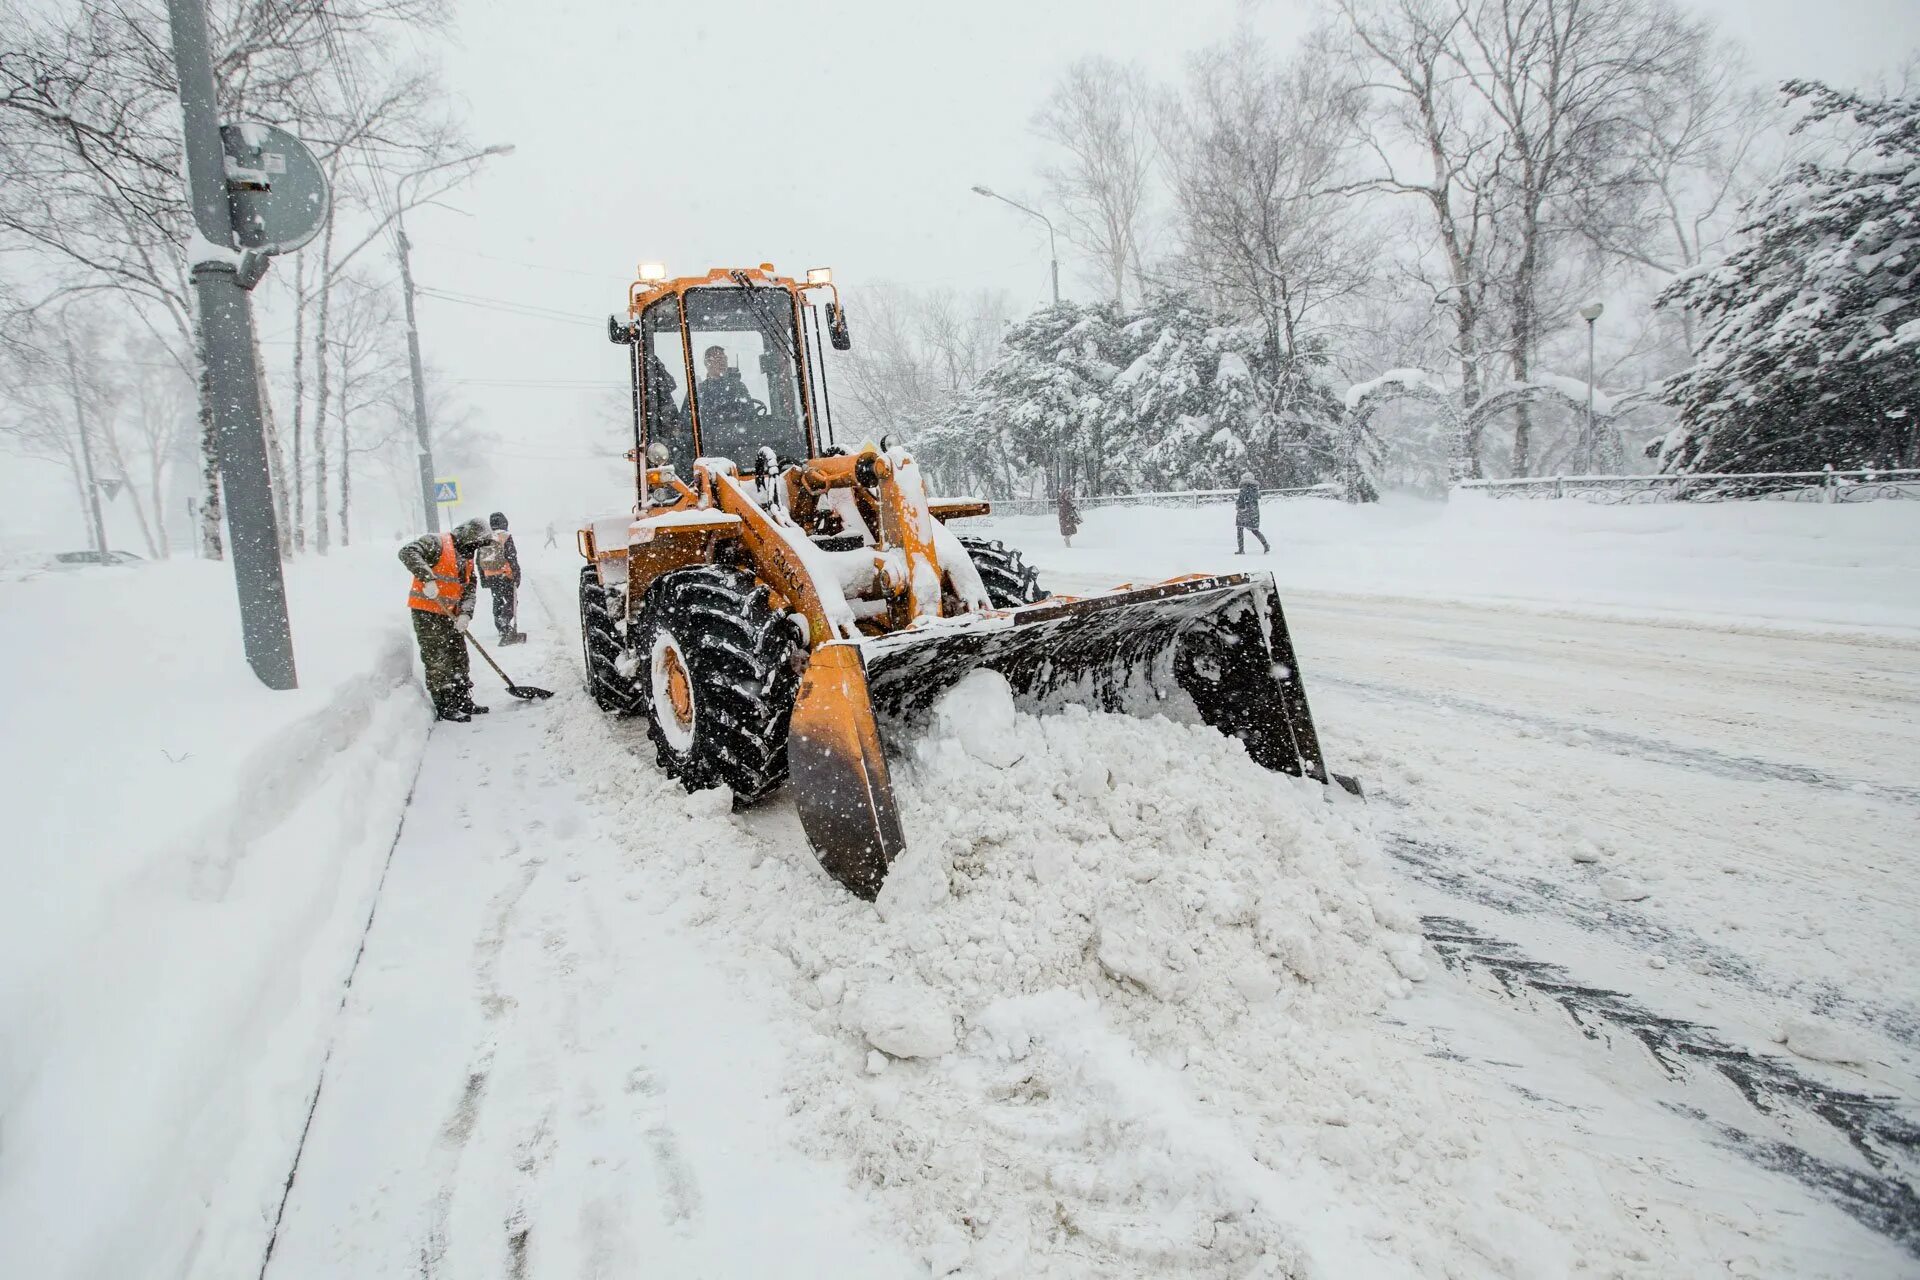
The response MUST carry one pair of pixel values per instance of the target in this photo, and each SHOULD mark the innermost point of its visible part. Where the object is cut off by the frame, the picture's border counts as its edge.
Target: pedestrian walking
(441, 601)
(1069, 513)
(499, 563)
(553, 535)
(1246, 516)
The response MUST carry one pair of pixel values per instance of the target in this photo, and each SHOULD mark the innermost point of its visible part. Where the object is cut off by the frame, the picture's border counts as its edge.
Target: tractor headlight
(819, 275)
(653, 272)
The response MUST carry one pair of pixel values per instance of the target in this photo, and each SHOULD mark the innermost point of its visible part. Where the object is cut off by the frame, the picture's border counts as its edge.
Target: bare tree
(1098, 118)
(1253, 148)
(1527, 111)
(89, 136)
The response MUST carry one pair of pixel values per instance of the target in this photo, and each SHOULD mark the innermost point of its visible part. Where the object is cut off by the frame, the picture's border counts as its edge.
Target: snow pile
(1115, 1012)
(189, 864)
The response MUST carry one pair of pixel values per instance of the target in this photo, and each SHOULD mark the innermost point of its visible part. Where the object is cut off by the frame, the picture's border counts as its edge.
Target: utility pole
(1053, 250)
(421, 434)
(1591, 312)
(86, 453)
(222, 278)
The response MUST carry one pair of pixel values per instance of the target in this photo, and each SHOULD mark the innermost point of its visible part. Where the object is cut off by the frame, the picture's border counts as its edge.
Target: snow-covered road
(1757, 788)
(595, 1018)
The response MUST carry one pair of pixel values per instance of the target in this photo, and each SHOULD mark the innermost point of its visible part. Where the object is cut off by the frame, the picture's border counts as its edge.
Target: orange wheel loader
(774, 601)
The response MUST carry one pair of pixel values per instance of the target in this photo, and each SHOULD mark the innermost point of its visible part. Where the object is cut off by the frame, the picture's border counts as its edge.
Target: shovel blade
(531, 693)
(838, 771)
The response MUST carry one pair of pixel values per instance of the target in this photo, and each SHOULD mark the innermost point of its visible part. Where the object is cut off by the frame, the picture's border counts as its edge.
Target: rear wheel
(1010, 581)
(600, 650)
(717, 676)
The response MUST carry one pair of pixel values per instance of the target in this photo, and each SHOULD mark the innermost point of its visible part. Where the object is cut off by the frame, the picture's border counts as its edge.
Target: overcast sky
(727, 132)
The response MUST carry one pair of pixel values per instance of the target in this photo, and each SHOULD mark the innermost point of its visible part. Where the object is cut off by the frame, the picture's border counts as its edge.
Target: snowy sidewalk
(189, 858)
(537, 1075)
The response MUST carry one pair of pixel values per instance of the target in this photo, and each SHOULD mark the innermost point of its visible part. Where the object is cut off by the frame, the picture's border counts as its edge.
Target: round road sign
(276, 191)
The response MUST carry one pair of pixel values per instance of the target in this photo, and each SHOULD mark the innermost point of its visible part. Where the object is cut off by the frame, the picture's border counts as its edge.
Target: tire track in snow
(1440, 866)
(1882, 1196)
(1636, 746)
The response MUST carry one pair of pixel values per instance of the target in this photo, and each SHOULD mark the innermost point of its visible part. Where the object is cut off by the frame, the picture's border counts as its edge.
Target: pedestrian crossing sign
(446, 492)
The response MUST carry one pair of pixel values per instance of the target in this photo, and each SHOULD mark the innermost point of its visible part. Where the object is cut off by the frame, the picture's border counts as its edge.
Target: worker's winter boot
(457, 714)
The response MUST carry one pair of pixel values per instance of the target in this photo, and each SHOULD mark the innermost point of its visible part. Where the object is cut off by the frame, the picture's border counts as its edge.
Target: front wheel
(718, 677)
(600, 650)
(1010, 581)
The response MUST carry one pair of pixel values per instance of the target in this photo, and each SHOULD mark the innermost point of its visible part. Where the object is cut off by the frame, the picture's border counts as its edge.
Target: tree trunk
(298, 481)
(276, 461)
(1465, 461)
(212, 547)
(321, 388)
(157, 485)
(346, 465)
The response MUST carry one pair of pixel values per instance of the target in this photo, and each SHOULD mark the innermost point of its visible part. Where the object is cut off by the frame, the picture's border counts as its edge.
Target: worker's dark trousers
(505, 606)
(443, 652)
(1240, 532)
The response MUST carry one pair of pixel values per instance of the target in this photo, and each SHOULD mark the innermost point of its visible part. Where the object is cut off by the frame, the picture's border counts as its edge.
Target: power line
(531, 266)
(506, 308)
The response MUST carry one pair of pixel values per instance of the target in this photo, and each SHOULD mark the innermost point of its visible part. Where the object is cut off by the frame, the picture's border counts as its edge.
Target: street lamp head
(980, 190)
(1591, 312)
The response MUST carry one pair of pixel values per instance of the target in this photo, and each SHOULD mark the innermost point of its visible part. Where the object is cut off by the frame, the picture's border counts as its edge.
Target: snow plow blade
(1212, 648)
(838, 771)
(1221, 641)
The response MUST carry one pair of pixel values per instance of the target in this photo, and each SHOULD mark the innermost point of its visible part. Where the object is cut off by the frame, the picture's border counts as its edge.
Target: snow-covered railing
(1825, 485)
(1163, 498)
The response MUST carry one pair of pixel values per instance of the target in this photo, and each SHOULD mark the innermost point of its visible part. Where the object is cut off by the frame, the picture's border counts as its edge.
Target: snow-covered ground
(1768, 563)
(1129, 1006)
(189, 861)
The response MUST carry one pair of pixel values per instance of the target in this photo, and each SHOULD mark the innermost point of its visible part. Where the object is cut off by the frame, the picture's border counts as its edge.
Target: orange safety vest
(448, 570)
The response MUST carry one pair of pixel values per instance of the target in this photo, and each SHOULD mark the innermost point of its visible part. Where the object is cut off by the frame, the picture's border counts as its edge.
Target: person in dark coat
(498, 561)
(1069, 513)
(1246, 515)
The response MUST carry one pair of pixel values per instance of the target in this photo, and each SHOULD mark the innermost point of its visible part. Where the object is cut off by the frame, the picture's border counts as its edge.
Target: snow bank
(1123, 1021)
(189, 863)
(1802, 564)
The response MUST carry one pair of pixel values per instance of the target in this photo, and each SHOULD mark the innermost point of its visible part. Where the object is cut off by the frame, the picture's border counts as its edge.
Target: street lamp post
(1053, 252)
(1591, 312)
(422, 435)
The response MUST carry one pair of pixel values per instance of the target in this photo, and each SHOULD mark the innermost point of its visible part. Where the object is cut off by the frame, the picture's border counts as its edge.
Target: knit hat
(470, 533)
(497, 520)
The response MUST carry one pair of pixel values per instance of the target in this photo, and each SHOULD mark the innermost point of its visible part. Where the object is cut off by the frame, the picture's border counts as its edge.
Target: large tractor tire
(718, 675)
(1010, 581)
(600, 650)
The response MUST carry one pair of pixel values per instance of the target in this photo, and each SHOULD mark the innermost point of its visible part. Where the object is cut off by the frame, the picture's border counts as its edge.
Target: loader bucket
(1221, 642)
(1213, 648)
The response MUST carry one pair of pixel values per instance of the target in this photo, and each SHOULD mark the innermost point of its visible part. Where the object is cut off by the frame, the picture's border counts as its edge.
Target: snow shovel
(530, 692)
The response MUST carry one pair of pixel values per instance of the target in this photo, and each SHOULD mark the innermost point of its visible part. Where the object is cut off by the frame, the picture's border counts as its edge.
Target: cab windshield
(746, 388)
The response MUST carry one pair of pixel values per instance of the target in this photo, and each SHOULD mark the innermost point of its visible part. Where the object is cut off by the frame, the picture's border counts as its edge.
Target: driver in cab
(727, 412)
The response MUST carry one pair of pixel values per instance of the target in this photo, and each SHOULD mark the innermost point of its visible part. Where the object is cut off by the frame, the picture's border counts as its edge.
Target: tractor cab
(722, 368)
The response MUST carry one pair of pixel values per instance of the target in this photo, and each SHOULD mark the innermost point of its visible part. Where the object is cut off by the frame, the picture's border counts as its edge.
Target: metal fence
(1167, 498)
(1825, 485)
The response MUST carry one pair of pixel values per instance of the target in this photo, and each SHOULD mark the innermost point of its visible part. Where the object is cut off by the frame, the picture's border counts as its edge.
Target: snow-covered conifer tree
(1811, 353)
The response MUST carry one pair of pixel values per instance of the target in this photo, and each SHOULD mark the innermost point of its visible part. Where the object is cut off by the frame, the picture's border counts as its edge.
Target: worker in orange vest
(441, 601)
